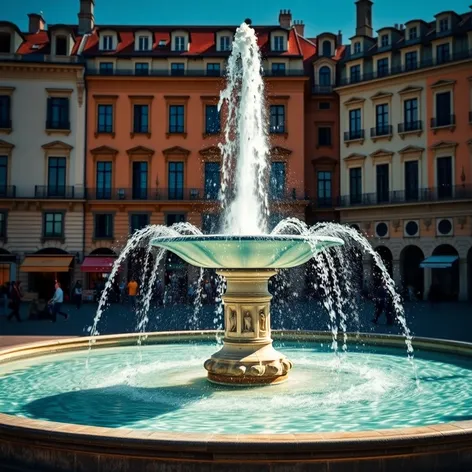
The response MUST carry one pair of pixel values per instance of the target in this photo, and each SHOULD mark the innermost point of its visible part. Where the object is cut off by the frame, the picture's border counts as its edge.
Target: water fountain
(67, 407)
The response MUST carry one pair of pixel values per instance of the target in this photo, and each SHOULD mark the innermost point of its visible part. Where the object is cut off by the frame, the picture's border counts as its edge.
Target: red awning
(98, 264)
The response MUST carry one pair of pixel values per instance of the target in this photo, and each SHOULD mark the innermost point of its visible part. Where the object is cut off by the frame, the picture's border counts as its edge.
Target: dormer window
(443, 25)
(143, 43)
(225, 43)
(61, 46)
(384, 40)
(179, 43)
(279, 43)
(413, 33)
(327, 48)
(357, 47)
(107, 44)
(5, 43)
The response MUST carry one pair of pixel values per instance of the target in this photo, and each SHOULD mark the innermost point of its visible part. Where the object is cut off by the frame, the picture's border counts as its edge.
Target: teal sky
(317, 16)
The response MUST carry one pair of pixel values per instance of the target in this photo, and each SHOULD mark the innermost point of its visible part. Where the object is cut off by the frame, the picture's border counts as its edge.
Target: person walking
(380, 303)
(15, 297)
(4, 297)
(56, 301)
(78, 294)
(132, 292)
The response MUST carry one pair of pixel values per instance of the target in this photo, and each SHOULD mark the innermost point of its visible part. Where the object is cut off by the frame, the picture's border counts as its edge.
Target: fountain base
(247, 356)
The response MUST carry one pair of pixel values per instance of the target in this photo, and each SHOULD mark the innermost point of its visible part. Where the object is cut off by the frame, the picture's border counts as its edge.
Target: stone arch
(445, 282)
(51, 250)
(411, 273)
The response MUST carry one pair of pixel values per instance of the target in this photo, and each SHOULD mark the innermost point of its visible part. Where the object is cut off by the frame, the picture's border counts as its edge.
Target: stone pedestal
(247, 356)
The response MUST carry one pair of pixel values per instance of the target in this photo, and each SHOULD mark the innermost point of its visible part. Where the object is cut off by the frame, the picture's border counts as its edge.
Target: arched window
(325, 76)
(327, 48)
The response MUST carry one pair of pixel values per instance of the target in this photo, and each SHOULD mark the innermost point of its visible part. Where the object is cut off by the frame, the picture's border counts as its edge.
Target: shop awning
(98, 264)
(46, 263)
(438, 262)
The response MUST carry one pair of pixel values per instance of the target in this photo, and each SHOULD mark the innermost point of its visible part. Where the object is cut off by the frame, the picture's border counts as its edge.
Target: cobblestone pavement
(448, 321)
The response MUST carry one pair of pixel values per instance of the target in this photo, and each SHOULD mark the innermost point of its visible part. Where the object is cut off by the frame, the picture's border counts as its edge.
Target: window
(141, 119)
(212, 119)
(355, 131)
(176, 119)
(382, 183)
(381, 120)
(179, 43)
(410, 109)
(355, 185)
(138, 221)
(277, 119)
(103, 225)
(411, 60)
(443, 25)
(140, 180)
(141, 68)
(225, 43)
(105, 119)
(58, 113)
(103, 179)
(106, 68)
(176, 180)
(210, 223)
(325, 76)
(53, 225)
(278, 68)
(3, 224)
(57, 177)
(327, 48)
(3, 175)
(108, 43)
(324, 136)
(442, 53)
(279, 43)
(177, 68)
(5, 111)
(324, 106)
(413, 33)
(384, 40)
(411, 180)
(355, 73)
(143, 43)
(382, 67)
(173, 218)
(5, 42)
(212, 180)
(213, 69)
(444, 176)
(324, 183)
(357, 47)
(61, 46)
(443, 109)
(277, 180)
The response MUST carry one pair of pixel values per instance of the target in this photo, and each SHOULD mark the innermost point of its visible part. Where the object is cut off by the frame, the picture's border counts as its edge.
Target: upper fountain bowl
(246, 252)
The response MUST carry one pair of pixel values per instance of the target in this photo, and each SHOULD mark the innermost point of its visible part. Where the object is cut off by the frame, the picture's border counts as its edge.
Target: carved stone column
(247, 355)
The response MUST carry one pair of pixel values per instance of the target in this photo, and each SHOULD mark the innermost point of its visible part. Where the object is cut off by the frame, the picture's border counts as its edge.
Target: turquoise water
(163, 388)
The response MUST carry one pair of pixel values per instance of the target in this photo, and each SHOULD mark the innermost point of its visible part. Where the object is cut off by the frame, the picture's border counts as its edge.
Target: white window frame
(107, 42)
(225, 43)
(279, 38)
(179, 43)
(143, 43)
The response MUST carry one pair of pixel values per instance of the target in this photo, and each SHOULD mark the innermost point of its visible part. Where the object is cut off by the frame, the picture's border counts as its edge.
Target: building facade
(42, 144)
(406, 160)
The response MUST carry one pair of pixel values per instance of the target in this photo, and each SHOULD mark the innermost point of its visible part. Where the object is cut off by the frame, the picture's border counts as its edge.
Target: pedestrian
(122, 289)
(78, 294)
(380, 303)
(15, 301)
(4, 297)
(56, 303)
(132, 292)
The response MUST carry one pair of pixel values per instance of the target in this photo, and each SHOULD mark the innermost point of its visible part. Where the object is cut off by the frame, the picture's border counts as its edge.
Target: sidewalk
(448, 321)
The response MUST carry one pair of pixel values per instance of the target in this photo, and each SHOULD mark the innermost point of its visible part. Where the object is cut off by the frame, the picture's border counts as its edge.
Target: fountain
(130, 405)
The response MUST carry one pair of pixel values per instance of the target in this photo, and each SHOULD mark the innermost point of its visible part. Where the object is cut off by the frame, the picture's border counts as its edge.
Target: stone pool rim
(451, 439)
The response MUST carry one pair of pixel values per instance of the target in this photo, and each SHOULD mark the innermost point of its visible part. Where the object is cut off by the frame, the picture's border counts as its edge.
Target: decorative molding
(278, 97)
(354, 156)
(280, 151)
(140, 150)
(211, 153)
(176, 97)
(381, 95)
(410, 89)
(176, 151)
(443, 145)
(443, 83)
(6, 145)
(7, 91)
(105, 97)
(57, 145)
(381, 153)
(427, 222)
(324, 160)
(354, 101)
(411, 148)
(141, 97)
(396, 225)
(462, 220)
(60, 92)
(104, 151)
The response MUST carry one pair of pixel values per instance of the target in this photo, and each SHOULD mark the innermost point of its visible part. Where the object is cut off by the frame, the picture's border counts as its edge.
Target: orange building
(153, 128)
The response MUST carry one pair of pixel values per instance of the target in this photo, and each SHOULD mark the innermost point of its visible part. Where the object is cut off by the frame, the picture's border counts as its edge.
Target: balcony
(381, 131)
(56, 126)
(445, 121)
(410, 127)
(60, 192)
(413, 195)
(323, 202)
(5, 123)
(353, 135)
(322, 89)
(7, 191)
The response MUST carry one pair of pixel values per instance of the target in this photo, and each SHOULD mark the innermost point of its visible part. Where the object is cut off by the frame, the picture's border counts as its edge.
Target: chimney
(364, 18)
(397, 26)
(86, 18)
(36, 23)
(285, 19)
(299, 27)
(339, 39)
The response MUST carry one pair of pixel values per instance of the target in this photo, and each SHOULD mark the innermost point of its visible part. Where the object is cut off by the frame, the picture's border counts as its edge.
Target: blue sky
(331, 15)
